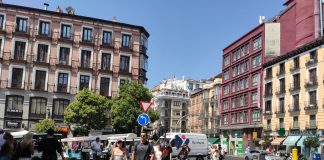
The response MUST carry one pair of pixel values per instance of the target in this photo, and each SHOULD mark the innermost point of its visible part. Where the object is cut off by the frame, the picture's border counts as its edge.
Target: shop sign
(13, 124)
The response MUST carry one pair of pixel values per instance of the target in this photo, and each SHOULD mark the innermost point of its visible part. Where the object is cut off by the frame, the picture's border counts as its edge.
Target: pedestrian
(7, 146)
(158, 152)
(96, 149)
(119, 153)
(143, 150)
(183, 154)
(85, 151)
(25, 148)
(50, 145)
(166, 151)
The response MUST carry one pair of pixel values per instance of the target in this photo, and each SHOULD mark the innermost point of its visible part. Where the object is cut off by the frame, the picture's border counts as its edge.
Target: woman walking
(25, 148)
(118, 153)
(158, 152)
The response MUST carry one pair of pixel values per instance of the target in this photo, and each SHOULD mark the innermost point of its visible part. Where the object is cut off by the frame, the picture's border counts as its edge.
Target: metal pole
(321, 17)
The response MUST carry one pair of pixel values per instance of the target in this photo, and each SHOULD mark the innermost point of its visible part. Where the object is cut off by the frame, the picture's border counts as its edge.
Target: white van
(197, 143)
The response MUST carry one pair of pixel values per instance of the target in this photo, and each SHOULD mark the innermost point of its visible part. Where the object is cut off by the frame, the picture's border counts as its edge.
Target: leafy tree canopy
(45, 124)
(126, 107)
(88, 110)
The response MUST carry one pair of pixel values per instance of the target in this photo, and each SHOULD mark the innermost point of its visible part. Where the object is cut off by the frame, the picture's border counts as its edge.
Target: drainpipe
(321, 17)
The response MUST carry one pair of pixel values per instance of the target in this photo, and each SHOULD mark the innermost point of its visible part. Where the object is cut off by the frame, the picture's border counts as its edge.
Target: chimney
(114, 19)
(261, 19)
(46, 6)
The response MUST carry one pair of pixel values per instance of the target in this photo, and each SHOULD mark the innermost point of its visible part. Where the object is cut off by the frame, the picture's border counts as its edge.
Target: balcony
(62, 89)
(268, 76)
(87, 41)
(280, 111)
(311, 83)
(44, 35)
(67, 37)
(15, 85)
(294, 67)
(294, 108)
(281, 90)
(142, 49)
(63, 63)
(267, 112)
(267, 94)
(108, 44)
(312, 124)
(311, 106)
(280, 72)
(295, 125)
(294, 87)
(23, 32)
(124, 71)
(311, 61)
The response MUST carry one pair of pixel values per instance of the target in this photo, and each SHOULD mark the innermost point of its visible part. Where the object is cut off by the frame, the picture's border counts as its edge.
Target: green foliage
(88, 110)
(266, 138)
(45, 124)
(70, 10)
(126, 107)
(311, 142)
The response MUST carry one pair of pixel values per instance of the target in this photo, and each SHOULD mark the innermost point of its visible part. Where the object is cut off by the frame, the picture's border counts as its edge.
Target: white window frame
(48, 50)
(111, 58)
(13, 47)
(307, 73)
(84, 74)
(34, 76)
(50, 26)
(4, 20)
(2, 46)
(107, 30)
(91, 58)
(23, 76)
(69, 79)
(58, 53)
(66, 23)
(110, 82)
(20, 16)
(130, 60)
(88, 27)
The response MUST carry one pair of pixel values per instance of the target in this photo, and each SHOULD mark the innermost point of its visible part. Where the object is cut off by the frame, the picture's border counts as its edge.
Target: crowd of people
(51, 148)
(216, 152)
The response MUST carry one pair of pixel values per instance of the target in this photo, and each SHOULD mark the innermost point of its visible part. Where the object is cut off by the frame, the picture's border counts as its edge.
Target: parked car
(256, 155)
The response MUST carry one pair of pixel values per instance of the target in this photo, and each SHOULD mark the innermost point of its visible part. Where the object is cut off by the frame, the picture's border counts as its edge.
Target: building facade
(242, 90)
(47, 57)
(293, 101)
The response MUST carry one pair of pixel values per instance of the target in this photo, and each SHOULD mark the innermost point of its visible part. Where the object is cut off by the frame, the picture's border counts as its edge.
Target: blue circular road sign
(143, 119)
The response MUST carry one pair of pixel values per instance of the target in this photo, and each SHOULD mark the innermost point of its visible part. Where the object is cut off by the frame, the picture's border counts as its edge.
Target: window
(177, 103)
(19, 51)
(226, 90)
(312, 98)
(296, 101)
(105, 61)
(296, 62)
(85, 59)
(21, 25)
(122, 81)
(233, 118)
(268, 106)
(312, 121)
(226, 75)
(282, 86)
(176, 113)
(14, 103)
(1, 22)
(42, 53)
(143, 62)
(62, 82)
(87, 35)
(197, 86)
(124, 63)
(281, 123)
(247, 48)
(254, 97)
(257, 43)
(245, 116)
(225, 105)
(44, 28)
(269, 124)
(295, 122)
(106, 38)
(233, 87)
(256, 61)
(104, 86)
(312, 76)
(281, 105)
(269, 73)
(126, 40)
(247, 66)
(313, 55)
(84, 82)
(38, 105)
(226, 60)
(190, 86)
(64, 56)
(17, 77)
(255, 79)
(255, 116)
(59, 106)
(282, 68)
(40, 80)
(296, 81)
(66, 31)
(174, 122)
(225, 119)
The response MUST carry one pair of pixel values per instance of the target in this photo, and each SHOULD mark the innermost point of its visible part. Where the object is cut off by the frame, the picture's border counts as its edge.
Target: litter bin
(316, 156)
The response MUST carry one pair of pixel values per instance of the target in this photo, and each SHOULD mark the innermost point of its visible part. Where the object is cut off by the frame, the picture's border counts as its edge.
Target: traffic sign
(143, 119)
(145, 105)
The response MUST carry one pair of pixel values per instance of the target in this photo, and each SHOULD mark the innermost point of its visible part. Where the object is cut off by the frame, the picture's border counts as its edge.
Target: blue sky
(187, 36)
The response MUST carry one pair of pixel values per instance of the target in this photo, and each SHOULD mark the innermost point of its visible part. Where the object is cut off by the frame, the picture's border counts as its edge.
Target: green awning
(291, 141)
(301, 141)
(213, 140)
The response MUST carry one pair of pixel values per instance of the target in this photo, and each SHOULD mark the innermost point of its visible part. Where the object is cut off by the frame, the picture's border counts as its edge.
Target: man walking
(143, 150)
(50, 146)
(95, 147)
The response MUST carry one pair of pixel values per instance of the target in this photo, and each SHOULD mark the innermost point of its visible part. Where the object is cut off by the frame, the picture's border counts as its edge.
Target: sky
(186, 36)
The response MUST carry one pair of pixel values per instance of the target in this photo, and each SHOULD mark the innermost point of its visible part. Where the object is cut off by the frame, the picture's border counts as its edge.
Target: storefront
(291, 142)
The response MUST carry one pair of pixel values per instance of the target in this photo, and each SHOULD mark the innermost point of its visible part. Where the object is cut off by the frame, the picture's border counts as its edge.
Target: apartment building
(242, 97)
(48, 56)
(293, 105)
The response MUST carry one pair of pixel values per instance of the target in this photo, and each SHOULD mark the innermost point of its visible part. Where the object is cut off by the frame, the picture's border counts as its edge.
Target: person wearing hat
(118, 153)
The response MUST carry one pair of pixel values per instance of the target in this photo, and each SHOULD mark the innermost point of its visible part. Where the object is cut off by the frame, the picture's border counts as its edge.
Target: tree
(126, 107)
(70, 10)
(88, 110)
(45, 124)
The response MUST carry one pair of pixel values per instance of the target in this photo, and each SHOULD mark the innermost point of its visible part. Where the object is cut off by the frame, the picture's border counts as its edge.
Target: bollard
(295, 154)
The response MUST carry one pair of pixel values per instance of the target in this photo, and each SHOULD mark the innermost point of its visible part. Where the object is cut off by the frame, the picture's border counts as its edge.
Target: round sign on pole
(143, 119)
